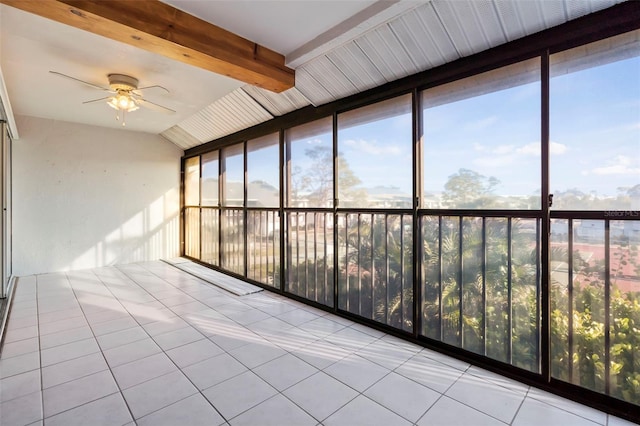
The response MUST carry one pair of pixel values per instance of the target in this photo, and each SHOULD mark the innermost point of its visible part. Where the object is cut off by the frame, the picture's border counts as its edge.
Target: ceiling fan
(125, 95)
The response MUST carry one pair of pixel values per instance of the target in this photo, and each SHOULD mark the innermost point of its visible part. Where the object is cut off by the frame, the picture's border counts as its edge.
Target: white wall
(88, 196)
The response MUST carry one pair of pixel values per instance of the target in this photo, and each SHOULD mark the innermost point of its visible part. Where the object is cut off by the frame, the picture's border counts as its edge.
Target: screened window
(233, 175)
(375, 165)
(192, 181)
(595, 125)
(309, 151)
(481, 139)
(209, 180)
(263, 176)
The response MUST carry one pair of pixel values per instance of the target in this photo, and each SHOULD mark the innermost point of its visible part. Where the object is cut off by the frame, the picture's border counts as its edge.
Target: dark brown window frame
(610, 22)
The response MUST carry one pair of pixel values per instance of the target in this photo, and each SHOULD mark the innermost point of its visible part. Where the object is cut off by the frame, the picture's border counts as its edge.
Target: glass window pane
(595, 125)
(209, 179)
(309, 150)
(263, 175)
(192, 181)
(233, 175)
(375, 165)
(481, 141)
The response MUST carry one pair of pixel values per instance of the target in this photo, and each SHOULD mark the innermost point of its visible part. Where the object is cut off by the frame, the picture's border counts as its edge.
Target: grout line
(39, 349)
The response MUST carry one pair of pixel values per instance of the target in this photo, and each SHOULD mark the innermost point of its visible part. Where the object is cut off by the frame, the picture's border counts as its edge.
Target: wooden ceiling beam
(160, 28)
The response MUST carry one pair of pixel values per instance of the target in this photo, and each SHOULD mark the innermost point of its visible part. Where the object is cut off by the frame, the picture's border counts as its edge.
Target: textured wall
(88, 196)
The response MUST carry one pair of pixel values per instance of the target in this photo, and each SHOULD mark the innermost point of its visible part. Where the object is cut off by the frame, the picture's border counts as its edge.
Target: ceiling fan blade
(95, 86)
(154, 106)
(97, 100)
(154, 87)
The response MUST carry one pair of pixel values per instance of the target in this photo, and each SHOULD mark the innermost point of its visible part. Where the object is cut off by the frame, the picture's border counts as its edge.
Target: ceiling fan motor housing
(119, 82)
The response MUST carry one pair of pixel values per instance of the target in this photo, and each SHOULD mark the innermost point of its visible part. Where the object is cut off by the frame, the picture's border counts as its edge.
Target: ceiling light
(122, 101)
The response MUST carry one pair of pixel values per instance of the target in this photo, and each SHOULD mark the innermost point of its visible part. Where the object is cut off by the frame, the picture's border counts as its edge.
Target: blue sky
(595, 138)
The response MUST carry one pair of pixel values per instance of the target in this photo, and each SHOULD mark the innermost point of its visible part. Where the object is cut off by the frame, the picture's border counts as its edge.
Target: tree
(469, 189)
(316, 182)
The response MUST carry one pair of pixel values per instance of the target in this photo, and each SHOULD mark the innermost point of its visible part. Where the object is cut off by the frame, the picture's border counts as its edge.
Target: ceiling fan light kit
(124, 99)
(126, 94)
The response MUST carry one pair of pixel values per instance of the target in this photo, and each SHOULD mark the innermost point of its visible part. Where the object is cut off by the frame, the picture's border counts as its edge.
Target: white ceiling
(337, 48)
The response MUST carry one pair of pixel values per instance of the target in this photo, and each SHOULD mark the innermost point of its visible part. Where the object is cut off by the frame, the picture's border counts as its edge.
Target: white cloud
(315, 141)
(620, 165)
(372, 147)
(494, 161)
(555, 148)
(505, 155)
(503, 149)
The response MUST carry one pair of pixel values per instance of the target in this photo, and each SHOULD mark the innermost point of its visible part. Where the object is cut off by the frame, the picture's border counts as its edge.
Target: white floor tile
(297, 317)
(285, 371)
(284, 341)
(17, 334)
(131, 352)
(78, 392)
(238, 394)
(214, 370)
(248, 317)
(357, 372)
(67, 371)
(403, 396)
(192, 411)
(173, 339)
(617, 421)
(64, 337)
(19, 364)
(255, 354)
(19, 385)
(321, 354)
(350, 339)
(165, 325)
(106, 411)
(534, 413)
(386, 354)
(194, 352)
(568, 405)
(69, 351)
(122, 337)
(29, 321)
(23, 410)
(447, 412)
(136, 372)
(114, 325)
(158, 393)
(60, 315)
(276, 411)
(62, 325)
(496, 401)
(364, 412)
(430, 373)
(20, 347)
(321, 327)
(320, 395)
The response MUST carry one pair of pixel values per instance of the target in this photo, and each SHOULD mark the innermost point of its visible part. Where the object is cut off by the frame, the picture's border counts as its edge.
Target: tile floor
(148, 344)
